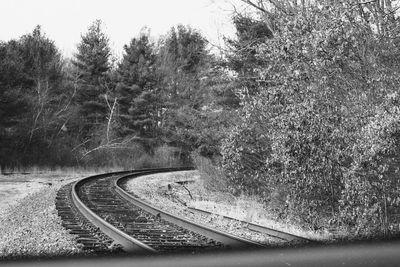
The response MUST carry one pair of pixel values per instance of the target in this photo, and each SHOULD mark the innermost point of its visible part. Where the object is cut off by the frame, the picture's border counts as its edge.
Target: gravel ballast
(29, 224)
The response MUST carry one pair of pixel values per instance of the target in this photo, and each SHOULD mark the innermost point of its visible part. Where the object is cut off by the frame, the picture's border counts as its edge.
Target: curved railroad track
(107, 219)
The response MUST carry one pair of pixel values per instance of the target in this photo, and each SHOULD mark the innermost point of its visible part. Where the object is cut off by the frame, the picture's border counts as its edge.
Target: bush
(317, 131)
(371, 195)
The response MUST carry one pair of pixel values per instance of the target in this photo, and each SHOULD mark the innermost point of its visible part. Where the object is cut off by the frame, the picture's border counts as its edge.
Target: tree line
(90, 109)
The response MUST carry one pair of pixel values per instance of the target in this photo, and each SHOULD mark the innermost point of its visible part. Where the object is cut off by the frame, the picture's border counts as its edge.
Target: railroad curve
(107, 219)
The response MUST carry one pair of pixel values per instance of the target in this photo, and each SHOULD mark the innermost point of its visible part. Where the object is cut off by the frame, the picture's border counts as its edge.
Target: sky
(64, 21)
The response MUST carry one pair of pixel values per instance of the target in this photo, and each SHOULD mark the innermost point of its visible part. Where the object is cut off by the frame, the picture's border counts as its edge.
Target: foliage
(194, 91)
(370, 199)
(242, 56)
(136, 91)
(31, 96)
(92, 62)
(76, 111)
(323, 78)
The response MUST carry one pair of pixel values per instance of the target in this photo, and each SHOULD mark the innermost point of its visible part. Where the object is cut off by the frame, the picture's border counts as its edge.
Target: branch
(110, 117)
(111, 145)
(70, 99)
(81, 144)
(249, 2)
(268, 14)
(365, 3)
(191, 197)
(280, 7)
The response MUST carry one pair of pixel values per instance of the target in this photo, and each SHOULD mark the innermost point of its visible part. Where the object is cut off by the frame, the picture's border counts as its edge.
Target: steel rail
(223, 237)
(259, 228)
(128, 243)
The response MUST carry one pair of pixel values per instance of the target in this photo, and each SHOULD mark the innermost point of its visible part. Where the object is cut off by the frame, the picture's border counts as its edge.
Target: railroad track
(107, 219)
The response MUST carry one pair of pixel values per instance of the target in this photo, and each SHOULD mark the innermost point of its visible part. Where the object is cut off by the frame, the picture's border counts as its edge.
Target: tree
(11, 78)
(93, 64)
(182, 65)
(31, 88)
(242, 55)
(137, 92)
(43, 68)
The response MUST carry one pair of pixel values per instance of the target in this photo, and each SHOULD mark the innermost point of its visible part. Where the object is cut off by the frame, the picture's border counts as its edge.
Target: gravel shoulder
(175, 192)
(29, 224)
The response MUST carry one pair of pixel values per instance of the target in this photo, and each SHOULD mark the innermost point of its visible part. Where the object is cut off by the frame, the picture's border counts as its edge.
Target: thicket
(321, 130)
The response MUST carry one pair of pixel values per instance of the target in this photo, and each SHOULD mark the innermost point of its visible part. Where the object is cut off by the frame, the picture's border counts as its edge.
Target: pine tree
(136, 92)
(182, 67)
(93, 63)
(242, 57)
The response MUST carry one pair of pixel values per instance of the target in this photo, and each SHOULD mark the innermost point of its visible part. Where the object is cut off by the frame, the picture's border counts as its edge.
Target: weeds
(213, 178)
(109, 160)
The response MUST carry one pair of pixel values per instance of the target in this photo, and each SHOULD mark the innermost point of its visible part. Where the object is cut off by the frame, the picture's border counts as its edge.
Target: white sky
(65, 20)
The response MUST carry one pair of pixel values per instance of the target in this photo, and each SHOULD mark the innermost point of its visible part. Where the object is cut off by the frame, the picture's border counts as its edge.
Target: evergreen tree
(93, 64)
(136, 92)
(183, 68)
(242, 57)
(182, 58)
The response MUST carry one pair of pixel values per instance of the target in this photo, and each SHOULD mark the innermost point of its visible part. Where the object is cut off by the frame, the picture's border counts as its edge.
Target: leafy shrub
(317, 120)
(371, 193)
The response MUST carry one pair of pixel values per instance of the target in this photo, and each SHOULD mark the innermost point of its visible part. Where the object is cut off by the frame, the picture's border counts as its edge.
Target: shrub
(317, 131)
(371, 195)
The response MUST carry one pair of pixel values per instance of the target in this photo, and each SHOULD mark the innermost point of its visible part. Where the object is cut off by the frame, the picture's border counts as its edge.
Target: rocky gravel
(29, 223)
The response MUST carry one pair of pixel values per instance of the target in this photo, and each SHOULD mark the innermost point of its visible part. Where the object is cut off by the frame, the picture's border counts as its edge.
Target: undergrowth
(247, 207)
(109, 160)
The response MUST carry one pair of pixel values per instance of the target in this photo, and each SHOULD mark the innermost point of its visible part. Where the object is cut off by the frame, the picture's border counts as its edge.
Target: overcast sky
(65, 20)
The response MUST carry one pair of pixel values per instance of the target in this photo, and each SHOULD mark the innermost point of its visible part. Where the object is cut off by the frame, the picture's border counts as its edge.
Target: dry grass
(165, 192)
(213, 178)
(175, 198)
(244, 207)
(67, 171)
(251, 210)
